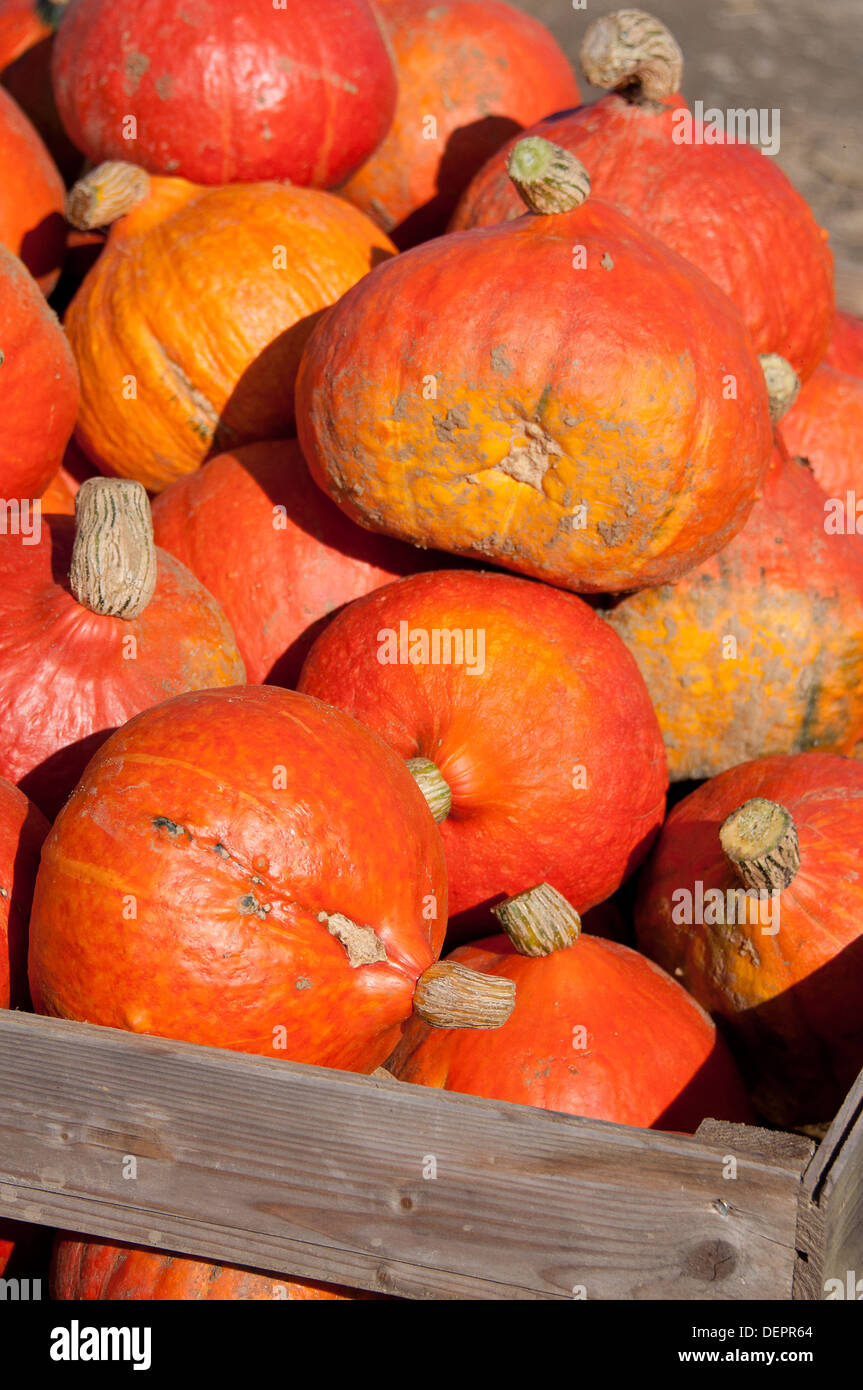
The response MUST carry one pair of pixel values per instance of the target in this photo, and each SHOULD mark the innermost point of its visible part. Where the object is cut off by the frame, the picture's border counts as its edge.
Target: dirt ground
(801, 57)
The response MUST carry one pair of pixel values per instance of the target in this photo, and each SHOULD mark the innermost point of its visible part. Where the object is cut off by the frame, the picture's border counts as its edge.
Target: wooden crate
(405, 1190)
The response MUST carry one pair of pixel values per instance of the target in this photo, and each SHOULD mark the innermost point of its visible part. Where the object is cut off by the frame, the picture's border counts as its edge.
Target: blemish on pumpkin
(136, 66)
(499, 361)
(250, 907)
(4, 892)
(456, 418)
(612, 532)
(165, 86)
(303, 983)
(362, 945)
(172, 827)
(607, 263)
(531, 453)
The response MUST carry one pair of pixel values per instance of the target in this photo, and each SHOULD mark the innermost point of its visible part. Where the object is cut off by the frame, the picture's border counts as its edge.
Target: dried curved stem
(106, 194)
(633, 53)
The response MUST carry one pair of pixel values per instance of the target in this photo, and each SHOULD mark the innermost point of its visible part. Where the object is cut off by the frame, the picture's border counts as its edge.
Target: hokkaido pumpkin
(471, 74)
(32, 197)
(597, 1030)
(721, 205)
(287, 887)
(221, 91)
(562, 395)
(22, 831)
(189, 328)
(785, 971)
(26, 45)
(111, 1271)
(759, 649)
(95, 625)
(540, 751)
(845, 350)
(286, 556)
(38, 384)
(825, 426)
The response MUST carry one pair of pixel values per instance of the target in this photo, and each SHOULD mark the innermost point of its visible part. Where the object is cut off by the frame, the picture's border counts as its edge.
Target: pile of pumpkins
(417, 483)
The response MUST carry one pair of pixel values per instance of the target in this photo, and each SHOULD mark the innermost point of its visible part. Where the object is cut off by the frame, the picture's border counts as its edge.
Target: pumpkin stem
(106, 194)
(449, 995)
(634, 54)
(539, 921)
(113, 570)
(783, 384)
(433, 786)
(549, 179)
(759, 840)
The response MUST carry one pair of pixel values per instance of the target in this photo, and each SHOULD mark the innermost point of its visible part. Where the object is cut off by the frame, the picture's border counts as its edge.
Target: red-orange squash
(845, 350)
(725, 206)
(597, 1030)
(32, 197)
(286, 557)
(825, 426)
(38, 385)
(786, 972)
(562, 395)
(472, 73)
(26, 46)
(224, 91)
(108, 1271)
(71, 668)
(544, 756)
(22, 831)
(760, 648)
(188, 331)
(276, 885)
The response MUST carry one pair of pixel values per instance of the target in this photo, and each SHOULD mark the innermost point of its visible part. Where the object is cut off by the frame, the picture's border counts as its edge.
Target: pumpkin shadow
(248, 414)
(465, 152)
(43, 246)
(20, 890)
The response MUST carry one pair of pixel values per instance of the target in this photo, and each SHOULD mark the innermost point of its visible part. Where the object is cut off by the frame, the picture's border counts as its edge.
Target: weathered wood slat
(321, 1174)
(833, 1193)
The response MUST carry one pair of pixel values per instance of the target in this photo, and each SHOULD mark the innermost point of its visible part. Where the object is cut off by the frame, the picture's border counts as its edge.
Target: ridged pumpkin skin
(235, 818)
(69, 677)
(825, 426)
(22, 830)
(483, 70)
(545, 734)
(224, 91)
(760, 649)
(791, 998)
(720, 206)
(32, 197)
(649, 1056)
(629, 420)
(845, 350)
(278, 574)
(99, 1271)
(38, 384)
(187, 300)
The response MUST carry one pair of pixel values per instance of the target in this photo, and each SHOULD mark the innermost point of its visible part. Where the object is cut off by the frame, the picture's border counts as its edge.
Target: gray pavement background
(803, 57)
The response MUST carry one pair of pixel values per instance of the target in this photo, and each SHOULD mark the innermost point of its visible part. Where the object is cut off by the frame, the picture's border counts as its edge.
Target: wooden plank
(321, 1174)
(832, 1190)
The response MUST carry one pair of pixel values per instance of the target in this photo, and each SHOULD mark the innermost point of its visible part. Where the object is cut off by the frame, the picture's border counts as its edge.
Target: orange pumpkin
(38, 385)
(760, 648)
(435, 401)
(825, 426)
(286, 557)
(722, 204)
(471, 74)
(110, 1271)
(596, 1030)
(32, 197)
(26, 48)
(189, 328)
(845, 350)
(785, 971)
